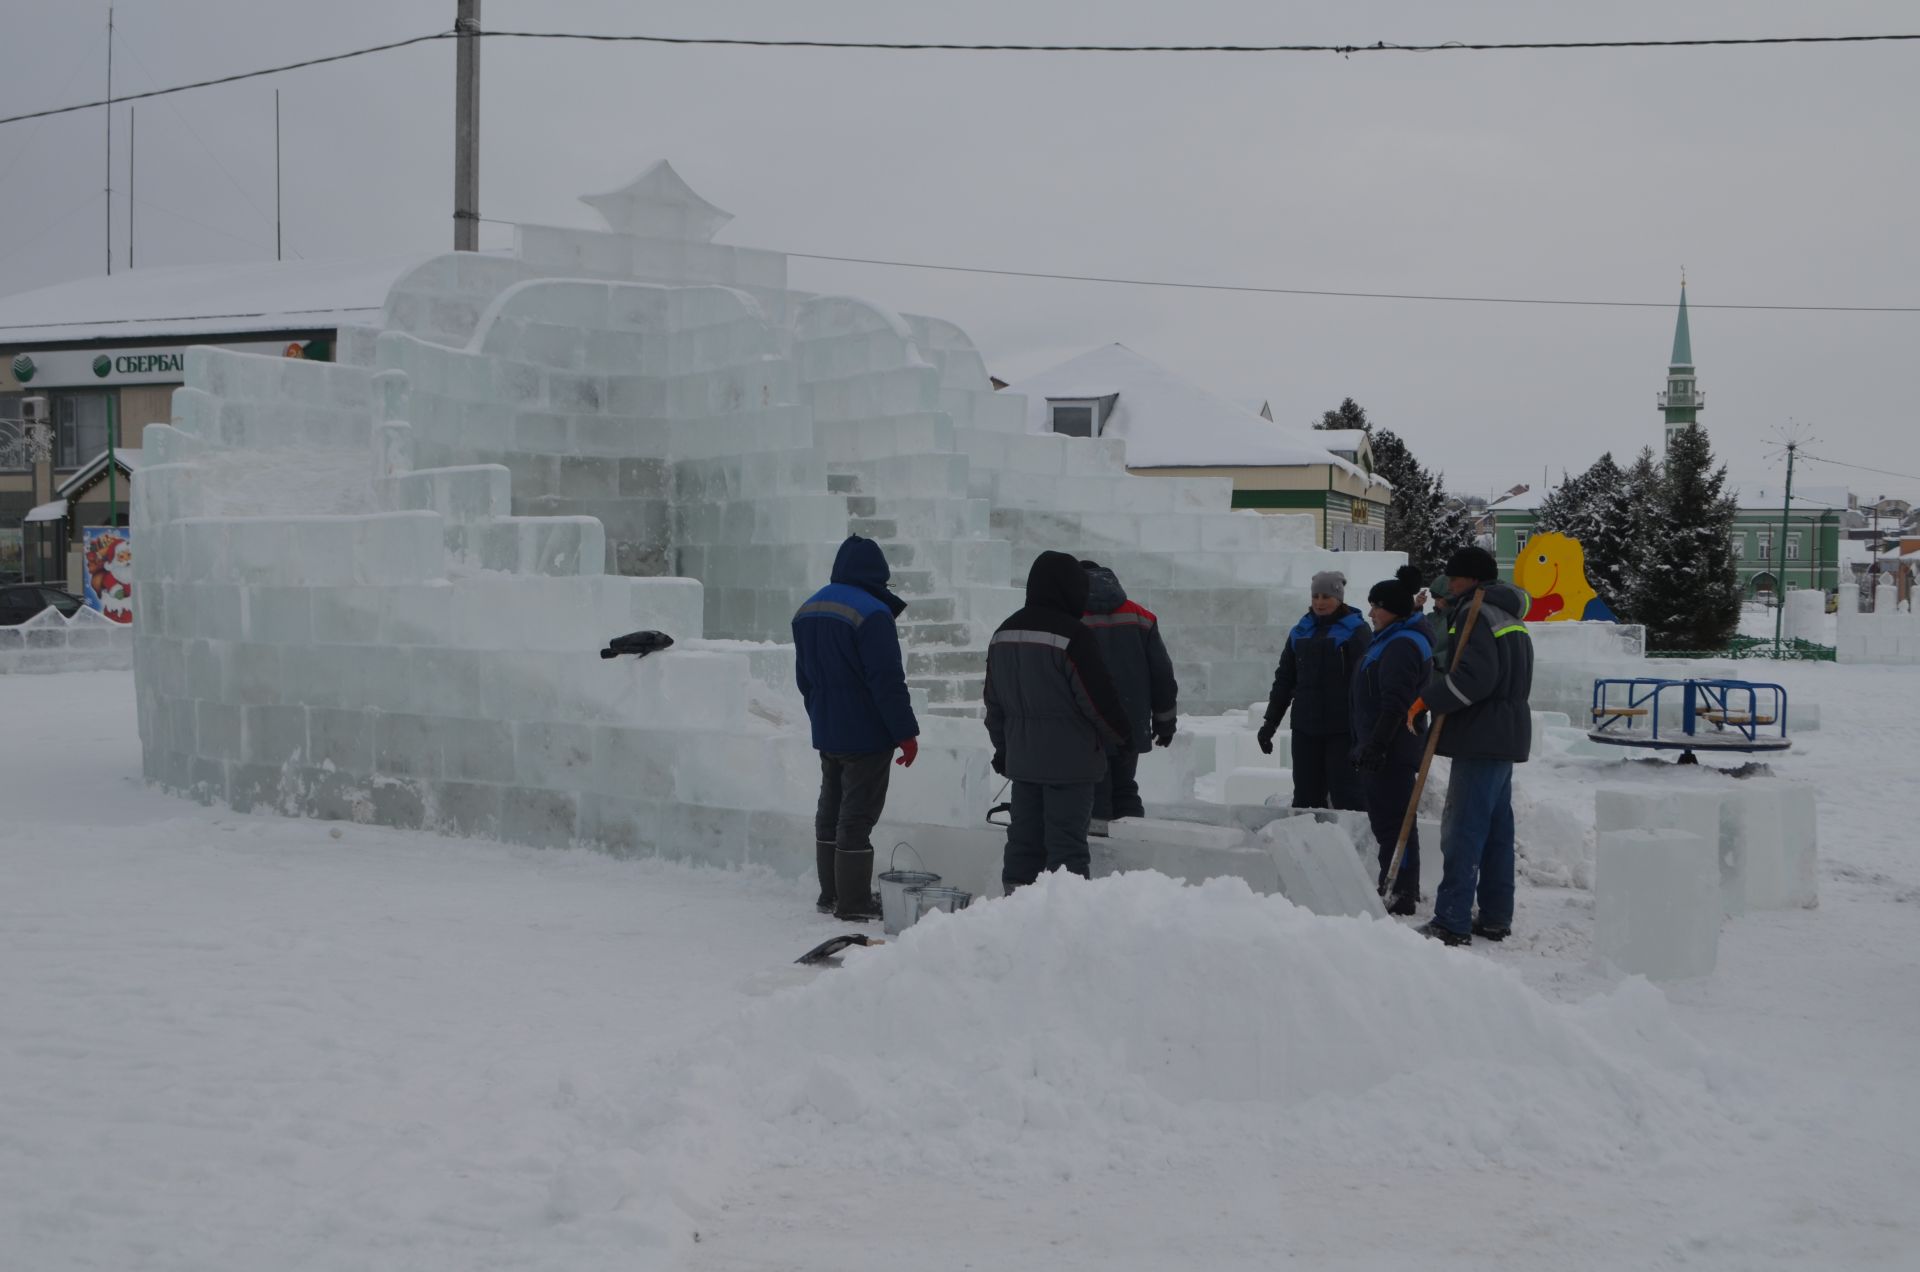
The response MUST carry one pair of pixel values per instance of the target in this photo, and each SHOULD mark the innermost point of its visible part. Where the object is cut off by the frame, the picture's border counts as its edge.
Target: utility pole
(109, 139)
(276, 175)
(131, 121)
(466, 130)
(1786, 514)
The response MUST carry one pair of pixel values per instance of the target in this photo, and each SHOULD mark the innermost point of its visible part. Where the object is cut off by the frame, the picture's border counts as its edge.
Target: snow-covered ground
(248, 1043)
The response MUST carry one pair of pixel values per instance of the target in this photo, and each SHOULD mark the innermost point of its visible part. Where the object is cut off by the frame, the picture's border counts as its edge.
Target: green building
(1768, 539)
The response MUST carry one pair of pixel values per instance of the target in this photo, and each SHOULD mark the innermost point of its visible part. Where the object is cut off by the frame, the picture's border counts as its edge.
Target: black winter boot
(1403, 903)
(823, 850)
(853, 886)
(1433, 931)
(1487, 932)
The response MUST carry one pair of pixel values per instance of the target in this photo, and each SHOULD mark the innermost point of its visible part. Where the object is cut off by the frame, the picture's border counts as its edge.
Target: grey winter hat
(1330, 583)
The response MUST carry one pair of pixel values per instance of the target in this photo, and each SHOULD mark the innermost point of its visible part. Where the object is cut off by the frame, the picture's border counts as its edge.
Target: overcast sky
(1773, 175)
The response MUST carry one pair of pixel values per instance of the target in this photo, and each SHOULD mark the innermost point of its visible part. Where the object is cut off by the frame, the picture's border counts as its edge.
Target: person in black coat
(1315, 669)
(1129, 638)
(1053, 715)
(1387, 750)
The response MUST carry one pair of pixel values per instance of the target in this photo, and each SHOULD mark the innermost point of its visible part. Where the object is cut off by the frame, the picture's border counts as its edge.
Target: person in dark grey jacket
(1052, 712)
(1316, 666)
(1489, 728)
(1129, 638)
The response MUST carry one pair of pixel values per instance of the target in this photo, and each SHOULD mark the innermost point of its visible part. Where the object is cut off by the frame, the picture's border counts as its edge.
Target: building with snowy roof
(1774, 539)
(1175, 428)
(105, 355)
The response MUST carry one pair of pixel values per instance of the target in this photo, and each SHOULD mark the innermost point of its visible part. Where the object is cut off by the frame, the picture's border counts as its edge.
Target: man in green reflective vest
(1489, 728)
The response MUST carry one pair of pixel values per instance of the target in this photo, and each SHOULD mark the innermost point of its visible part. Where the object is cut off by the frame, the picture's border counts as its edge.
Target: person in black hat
(1387, 748)
(1489, 728)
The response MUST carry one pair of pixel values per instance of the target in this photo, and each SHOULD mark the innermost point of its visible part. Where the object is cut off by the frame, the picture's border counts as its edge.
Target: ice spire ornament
(659, 204)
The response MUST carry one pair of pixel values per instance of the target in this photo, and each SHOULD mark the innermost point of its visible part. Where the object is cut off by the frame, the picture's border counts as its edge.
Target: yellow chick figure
(1552, 571)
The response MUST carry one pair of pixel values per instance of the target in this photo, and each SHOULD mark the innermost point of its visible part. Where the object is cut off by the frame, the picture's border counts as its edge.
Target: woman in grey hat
(1316, 668)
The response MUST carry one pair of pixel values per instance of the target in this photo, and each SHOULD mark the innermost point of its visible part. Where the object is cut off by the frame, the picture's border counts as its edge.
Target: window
(1793, 547)
(1076, 418)
(1766, 547)
(1739, 546)
(65, 602)
(13, 435)
(79, 427)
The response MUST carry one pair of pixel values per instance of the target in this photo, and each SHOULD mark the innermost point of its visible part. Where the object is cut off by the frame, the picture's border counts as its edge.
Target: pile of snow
(1135, 1025)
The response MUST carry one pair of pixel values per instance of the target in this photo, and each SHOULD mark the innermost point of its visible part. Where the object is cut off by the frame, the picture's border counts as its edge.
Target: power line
(1344, 50)
(262, 313)
(22, 246)
(1841, 463)
(1379, 46)
(1354, 295)
(1121, 281)
(211, 154)
(228, 79)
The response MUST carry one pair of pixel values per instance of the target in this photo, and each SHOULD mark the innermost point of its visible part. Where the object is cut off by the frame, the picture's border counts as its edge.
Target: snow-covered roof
(1342, 439)
(1770, 493)
(191, 300)
(48, 511)
(127, 461)
(1169, 422)
(1528, 500)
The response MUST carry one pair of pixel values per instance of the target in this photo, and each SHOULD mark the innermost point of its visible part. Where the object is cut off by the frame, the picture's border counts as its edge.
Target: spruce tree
(1595, 508)
(1644, 532)
(1689, 593)
(1451, 528)
(1349, 414)
(1415, 501)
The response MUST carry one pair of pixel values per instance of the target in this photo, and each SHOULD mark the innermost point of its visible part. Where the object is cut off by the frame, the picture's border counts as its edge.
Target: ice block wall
(375, 589)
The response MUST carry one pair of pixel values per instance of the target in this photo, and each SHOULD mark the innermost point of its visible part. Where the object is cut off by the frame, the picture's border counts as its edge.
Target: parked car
(21, 601)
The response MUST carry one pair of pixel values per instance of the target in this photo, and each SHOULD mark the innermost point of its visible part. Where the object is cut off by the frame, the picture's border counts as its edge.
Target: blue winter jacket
(1389, 678)
(847, 657)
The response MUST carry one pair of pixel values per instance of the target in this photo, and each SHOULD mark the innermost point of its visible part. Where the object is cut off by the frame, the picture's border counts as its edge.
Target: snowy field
(243, 1043)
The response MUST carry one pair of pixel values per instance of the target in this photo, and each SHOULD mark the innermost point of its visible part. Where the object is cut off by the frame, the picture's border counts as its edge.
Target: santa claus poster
(109, 572)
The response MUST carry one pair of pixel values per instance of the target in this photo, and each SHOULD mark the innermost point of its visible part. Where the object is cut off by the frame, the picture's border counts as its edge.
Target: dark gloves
(1267, 731)
(1371, 755)
(1000, 763)
(1163, 732)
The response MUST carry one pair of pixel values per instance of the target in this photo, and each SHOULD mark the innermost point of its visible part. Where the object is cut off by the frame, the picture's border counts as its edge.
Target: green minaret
(1683, 400)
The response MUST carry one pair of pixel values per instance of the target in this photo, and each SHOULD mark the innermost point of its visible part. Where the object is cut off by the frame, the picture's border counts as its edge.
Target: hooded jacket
(1052, 710)
(1129, 639)
(847, 657)
(1315, 669)
(1484, 696)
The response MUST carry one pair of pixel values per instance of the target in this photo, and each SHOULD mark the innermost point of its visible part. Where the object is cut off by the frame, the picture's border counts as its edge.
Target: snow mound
(1136, 1024)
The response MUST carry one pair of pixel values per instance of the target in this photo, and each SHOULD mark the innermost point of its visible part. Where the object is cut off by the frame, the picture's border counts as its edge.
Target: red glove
(909, 752)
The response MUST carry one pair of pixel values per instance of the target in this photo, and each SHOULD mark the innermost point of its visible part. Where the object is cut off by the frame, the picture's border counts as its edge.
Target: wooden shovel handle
(1426, 756)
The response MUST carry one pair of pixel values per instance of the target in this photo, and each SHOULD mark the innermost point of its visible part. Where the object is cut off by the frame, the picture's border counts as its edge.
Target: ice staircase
(951, 574)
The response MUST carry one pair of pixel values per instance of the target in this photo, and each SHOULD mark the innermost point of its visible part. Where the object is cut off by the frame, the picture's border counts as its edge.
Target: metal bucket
(928, 899)
(896, 910)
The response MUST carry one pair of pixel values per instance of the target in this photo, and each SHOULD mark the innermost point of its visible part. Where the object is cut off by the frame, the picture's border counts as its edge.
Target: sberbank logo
(138, 364)
(23, 368)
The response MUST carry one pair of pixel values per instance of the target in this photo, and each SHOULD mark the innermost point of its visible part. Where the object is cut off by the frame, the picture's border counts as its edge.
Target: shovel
(825, 951)
(1426, 757)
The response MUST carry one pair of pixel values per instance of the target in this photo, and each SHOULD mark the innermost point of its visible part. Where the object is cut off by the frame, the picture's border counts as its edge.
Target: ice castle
(602, 431)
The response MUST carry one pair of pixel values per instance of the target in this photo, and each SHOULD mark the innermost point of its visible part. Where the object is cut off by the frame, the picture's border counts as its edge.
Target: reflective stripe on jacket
(1485, 695)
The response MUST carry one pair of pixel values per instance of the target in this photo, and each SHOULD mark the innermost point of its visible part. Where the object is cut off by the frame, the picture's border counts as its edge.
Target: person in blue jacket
(1387, 750)
(1316, 665)
(847, 661)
